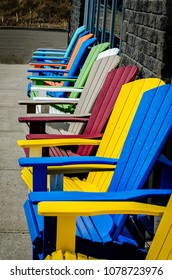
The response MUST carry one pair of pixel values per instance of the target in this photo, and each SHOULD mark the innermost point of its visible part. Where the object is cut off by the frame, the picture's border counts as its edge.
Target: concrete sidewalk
(16, 47)
(14, 237)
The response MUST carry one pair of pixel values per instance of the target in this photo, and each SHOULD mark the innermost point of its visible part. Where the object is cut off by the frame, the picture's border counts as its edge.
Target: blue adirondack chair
(54, 56)
(161, 246)
(74, 70)
(105, 236)
(63, 52)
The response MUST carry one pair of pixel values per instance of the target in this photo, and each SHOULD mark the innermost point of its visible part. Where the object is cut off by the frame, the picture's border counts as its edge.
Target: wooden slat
(92, 87)
(106, 100)
(119, 124)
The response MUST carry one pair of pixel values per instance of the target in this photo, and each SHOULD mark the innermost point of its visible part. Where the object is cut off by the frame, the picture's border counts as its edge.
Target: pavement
(15, 241)
(14, 237)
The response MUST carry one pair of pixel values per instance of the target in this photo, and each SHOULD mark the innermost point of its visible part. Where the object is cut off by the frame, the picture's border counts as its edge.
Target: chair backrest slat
(119, 124)
(161, 246)
(150, 129)
(106, 100)
(92, 87)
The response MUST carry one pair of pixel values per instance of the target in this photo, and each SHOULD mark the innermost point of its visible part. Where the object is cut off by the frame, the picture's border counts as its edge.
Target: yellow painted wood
(80, 168)
(57, 255)
(48, 258)
(56, 142)
(26, 175)
(77, 185)
(65, 225)
(35, 151)
(74, 208)
(161, 247)
(67, 255)
(118, 127)
(67, 212)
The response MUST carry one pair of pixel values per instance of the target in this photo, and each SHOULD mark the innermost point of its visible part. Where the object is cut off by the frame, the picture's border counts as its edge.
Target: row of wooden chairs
(83, 202)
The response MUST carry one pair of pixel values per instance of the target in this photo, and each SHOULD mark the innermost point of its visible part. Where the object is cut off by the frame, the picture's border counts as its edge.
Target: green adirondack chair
(79, 82)
(84, 104)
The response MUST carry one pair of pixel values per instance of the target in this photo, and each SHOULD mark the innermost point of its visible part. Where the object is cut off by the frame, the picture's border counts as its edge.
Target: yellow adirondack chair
(161, 246)
(109, 146)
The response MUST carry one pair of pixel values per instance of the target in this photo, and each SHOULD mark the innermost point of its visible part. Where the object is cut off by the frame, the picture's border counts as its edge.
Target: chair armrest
(38, 123)
(48, 100)
(67, 213)
(32, 103)
(68, 117)
(42, 166)
(49, 50)
(57, 142)
(37, 57)
(47, 64)
(66, 161)
(55, 88)
(97, 208)
(49, 70)
(53, 118)
(63, 136)
(133, 195)
(52, 78)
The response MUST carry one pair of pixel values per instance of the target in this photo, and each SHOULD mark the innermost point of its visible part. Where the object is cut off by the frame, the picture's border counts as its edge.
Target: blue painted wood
(36, 197)
(49, 58)
(39, 178)
(59, 161)
(147, 136)
(36, 222)
(72, 43)
(40, 166)
(82, 226)
(166, 172)
(46, 70)
(77, 64)
(43, 56)
(33, 223)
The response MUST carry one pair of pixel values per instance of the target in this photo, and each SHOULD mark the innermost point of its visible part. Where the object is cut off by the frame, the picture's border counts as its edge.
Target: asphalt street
(17, 45)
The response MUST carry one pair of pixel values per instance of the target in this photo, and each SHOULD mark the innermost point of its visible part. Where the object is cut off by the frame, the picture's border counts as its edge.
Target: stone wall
(147, 37)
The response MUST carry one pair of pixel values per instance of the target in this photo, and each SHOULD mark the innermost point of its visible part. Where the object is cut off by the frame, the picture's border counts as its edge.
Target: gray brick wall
(76, 15)
(147, 37)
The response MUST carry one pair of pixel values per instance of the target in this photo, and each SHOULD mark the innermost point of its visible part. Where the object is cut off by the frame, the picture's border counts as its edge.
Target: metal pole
(97, 19)
(121, 28)
(86, 9)
(104, 21)
(90, 15)
(113, 20)
(93, 16)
